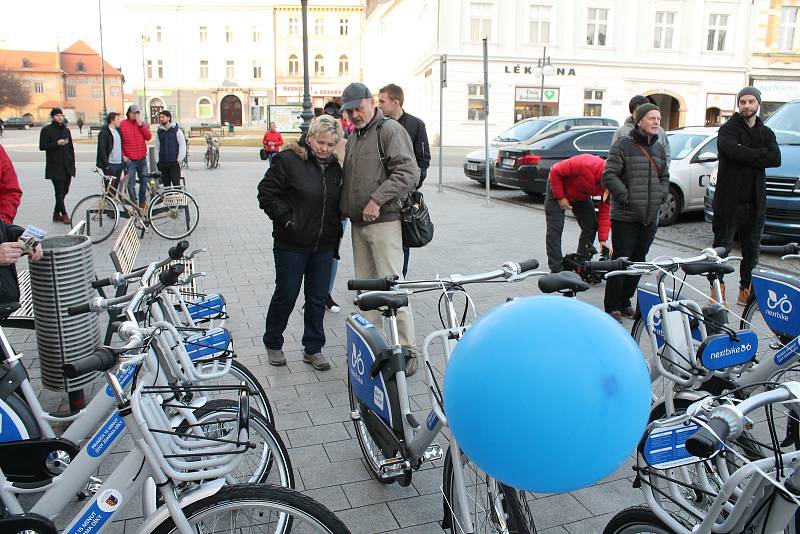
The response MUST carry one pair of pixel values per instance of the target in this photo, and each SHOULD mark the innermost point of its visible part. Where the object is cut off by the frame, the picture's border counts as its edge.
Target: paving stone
(343, 450)
(316, 434)
(417, 510)
(609, 497)
(372, 492)
(292, 421)
(310, 455)
(319, 476)
(330, 415)
(369, 519)
(556, 510)
(332, 498)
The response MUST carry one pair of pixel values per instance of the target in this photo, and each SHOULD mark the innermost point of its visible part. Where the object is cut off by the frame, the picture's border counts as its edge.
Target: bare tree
(13, 92)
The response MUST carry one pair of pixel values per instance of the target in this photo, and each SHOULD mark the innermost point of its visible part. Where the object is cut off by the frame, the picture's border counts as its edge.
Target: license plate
(472, 166)
(508, 162)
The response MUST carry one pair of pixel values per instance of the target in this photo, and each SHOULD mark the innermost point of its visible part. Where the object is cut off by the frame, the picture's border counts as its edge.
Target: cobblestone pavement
(312, 407)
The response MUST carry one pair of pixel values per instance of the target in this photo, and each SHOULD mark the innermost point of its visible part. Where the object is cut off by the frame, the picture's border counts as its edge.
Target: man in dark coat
(746, 147)
(56, 141)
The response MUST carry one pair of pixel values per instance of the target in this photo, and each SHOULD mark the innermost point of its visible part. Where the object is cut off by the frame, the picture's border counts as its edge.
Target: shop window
(592, 102)
(475, 110)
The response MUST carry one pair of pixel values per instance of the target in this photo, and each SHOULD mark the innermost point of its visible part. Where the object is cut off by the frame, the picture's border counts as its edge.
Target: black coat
(105, 142)
(60, 159)
(419, 140)
(744, 153)
(302, 201)
(9, 287)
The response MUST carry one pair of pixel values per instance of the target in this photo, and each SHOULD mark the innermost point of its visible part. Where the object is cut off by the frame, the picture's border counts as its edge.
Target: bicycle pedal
(355, 415)
(92, 487)
(432, 453)
(393, 467)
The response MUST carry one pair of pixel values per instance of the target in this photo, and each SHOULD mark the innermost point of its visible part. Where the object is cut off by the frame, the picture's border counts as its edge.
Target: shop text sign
(532, 94)
(523, 69)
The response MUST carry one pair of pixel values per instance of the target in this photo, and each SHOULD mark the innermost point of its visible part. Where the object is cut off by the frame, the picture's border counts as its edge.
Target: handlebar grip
(721, 251)
(780, 250)
(171, 275)
(528, 265)
(103, 282)
(704, 443)
(371, 284)
(606, 266)
(80, 309)
(176, 252)
(102, 360)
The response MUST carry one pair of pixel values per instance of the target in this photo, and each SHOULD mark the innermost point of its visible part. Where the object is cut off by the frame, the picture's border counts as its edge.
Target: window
(80, 66)
(319, 26)
(114, 91)
(319, 65)
(158, 34)
(38, 87)
(228, 34)
(539, 25)
(71, 91)
(592, 102)
(256, 70)
(344, 26)
(664, 29)
(97, 92)
(230, 69)
(160, 69)
(203, 69)
(256, 35)
(294, 65)
(480, 22)
(204, 110)
(203, 34)
(474, 102)
(344, 66)
(717, 29)
(149, 68)
(26, 63)
(596, 26)
(293, 25)
(595, 141)
(788, 29)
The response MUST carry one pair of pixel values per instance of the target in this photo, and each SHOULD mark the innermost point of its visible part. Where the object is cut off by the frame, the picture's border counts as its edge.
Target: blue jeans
(293, 269)
(135, 167)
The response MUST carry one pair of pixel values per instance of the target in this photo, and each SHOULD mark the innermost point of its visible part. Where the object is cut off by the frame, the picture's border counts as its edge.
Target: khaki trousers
(378, 252)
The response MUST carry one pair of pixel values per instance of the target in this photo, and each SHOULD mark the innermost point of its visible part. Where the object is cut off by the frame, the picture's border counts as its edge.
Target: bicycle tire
(274, 452)
(207, 159)
(657, 382)
(21, 409)
(632, 520)
(303, 511)
(101, 213)
(216, 158)
(240, 373)
(515, 511)
(173, 214)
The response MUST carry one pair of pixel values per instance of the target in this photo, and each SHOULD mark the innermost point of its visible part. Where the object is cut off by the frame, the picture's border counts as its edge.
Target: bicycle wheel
(173, 214)
(639, 334)
(636, 520)
(257, 508)
(101, 213)
(238, 374)
(267, 462)
(216, 158)
(208, 159)
(494, 507)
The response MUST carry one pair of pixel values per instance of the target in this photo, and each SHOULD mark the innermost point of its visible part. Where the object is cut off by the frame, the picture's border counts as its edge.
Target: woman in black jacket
(56, 140)
(300, 193)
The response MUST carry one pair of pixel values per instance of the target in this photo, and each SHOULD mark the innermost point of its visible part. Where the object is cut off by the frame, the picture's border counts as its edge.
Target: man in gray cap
(746, 147)
(380, 169)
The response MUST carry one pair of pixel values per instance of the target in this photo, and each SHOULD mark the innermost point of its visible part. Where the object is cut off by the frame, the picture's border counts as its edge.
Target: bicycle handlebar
(372, 284)
(780, 250)
(102, 359)
(528, 265)
(706, 440)
(605, 266)
(119, 279)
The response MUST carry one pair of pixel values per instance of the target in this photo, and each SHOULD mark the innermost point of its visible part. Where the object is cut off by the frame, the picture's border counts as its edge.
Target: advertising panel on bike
(360, 357)
(723, 350)
(647, 297)
(665, 447)
(778, 297)
(790, 351)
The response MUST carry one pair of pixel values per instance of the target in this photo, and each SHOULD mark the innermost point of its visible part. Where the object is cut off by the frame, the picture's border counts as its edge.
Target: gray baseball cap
(353, 95)
(132, 109)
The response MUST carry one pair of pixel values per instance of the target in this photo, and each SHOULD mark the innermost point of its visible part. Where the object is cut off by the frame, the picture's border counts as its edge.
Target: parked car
(527, 165)
(783, 183)
(17, 123)
(524, 130)
(694, 156)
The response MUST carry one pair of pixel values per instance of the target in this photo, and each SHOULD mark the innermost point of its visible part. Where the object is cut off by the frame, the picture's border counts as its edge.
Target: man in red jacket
(571, 185)
(135, 134)
(10, 193)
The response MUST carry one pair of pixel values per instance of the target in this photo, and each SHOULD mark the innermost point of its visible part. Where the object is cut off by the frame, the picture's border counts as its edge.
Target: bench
(93, 129)
(203, 130)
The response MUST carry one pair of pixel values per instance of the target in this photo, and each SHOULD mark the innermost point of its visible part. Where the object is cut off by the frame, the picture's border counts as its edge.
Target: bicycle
(212, 152)
(393, 442)
(171, 212)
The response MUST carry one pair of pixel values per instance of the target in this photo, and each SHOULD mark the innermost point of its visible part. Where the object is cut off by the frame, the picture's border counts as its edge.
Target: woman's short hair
(325, 124)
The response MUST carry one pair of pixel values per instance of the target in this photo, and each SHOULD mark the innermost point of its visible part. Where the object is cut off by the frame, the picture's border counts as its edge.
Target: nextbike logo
(356, 364)
(778, 308)
(731, 350)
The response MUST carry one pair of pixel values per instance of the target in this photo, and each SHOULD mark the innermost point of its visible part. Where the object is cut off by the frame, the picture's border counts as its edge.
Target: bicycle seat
(156, 175)
(707, 267)
(378, 300)
(563, 281)
(7, 308)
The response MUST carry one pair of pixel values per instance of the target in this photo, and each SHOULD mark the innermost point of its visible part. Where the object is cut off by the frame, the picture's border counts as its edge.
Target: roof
(81, 53)
(29, 60)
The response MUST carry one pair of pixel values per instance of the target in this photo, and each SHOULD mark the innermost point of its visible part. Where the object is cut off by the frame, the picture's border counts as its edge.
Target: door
(231, 110)
(156, 107)
(700, 172)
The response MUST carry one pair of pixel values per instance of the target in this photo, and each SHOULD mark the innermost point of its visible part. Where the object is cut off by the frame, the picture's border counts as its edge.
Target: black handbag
(263, 154)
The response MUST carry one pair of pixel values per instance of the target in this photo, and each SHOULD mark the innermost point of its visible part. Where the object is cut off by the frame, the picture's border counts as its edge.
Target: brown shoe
(616, 315)
(744, 296)
(142, 205)
(57, 217)
(65, 219)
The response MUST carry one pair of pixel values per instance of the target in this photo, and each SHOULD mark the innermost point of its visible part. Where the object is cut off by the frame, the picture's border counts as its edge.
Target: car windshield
(785, 122)
(682, 144)
(522, 130)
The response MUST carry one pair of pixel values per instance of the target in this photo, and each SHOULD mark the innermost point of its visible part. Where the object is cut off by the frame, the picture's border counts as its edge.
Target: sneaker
(411, 363)
(331, 305)
(316, 360)
(629, 312)
(744, 296)
(276, 357)
(617, 315)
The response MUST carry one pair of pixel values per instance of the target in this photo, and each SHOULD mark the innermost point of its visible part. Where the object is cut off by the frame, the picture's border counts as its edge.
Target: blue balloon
(547, 394)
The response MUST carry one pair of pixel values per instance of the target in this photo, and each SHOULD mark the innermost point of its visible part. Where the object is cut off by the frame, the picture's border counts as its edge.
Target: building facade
(216, 63)
(691, 56)
(775, 61)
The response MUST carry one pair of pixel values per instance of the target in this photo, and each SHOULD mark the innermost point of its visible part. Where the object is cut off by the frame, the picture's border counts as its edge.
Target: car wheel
(671, 207)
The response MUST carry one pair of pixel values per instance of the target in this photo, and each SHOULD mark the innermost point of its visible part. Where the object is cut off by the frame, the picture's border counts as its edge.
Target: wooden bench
(203, 130)
(93, 129)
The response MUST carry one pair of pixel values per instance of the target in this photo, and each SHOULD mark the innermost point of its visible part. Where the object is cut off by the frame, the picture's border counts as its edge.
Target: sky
(45, 24)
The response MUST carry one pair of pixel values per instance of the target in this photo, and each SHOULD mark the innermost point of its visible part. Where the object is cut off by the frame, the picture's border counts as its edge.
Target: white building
(213, 62)
(690, 55)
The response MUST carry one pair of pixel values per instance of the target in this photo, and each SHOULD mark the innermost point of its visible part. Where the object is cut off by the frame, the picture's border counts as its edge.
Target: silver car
(694, 155)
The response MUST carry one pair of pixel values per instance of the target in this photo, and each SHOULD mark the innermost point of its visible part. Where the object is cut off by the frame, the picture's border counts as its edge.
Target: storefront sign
(778, 90)
(532, 94)
(296, 90)
(723, 101)
(525, 69)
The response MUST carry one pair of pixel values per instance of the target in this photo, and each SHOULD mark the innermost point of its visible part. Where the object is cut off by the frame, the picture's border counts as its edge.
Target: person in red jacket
(10, 193)
(272, 141)
(572, 184)
(135, 134)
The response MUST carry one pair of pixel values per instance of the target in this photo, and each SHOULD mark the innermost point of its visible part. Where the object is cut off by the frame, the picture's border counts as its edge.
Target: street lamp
(144, 83)
(307, 113)
(543, 68)
(102, 60)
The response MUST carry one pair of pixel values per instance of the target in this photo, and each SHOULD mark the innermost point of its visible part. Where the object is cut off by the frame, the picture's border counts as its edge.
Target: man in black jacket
(746, 147)
(56, 141)
(109, 148)
(390, 100)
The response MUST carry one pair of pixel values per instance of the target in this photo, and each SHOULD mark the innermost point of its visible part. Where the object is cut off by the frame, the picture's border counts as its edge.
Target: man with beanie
(746, 147)
(637, 176)
(170, 149)
(56, 140)
(629, 124)
(135, 134)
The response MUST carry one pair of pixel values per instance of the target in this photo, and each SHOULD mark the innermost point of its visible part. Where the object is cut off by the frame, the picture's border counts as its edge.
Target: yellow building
(41, 73)
(775, 62)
